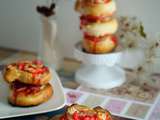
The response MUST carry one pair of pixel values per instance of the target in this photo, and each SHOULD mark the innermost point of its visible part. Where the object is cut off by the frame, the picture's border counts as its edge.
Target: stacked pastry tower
(98, 25)
(29, 83)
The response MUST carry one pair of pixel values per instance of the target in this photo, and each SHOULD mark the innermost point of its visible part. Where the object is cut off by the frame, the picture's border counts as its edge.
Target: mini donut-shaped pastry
(29, 95)
(97, 1)
(96, 9)
(94, 1)
(99, 45)
(29, 72)
(85, 20)
(81, 112)
(101, 28)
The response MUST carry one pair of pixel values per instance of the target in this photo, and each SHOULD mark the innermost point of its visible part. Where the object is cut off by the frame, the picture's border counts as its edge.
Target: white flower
(130, 33)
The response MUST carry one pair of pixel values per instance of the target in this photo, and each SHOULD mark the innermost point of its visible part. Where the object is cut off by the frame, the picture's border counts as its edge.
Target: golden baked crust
(104, 44)
(27, 97)
(81, 3)
(83, 112)
(100, 9)
(29, 72)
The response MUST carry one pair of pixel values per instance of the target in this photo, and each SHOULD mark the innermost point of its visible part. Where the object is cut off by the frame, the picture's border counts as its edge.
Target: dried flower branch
(132, 36)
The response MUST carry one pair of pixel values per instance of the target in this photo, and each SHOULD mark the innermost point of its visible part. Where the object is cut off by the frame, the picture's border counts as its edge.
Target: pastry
(98, 25)
(105, 8)
(29, 95)
(99, 45)
(81, 112)
(101, 28)
(29, 72)
(29, 83)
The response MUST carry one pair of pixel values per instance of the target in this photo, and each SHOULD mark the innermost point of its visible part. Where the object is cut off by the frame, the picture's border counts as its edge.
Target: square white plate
(56, 102)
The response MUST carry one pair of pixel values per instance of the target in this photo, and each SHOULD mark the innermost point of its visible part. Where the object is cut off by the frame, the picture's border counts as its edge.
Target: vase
(49, 50)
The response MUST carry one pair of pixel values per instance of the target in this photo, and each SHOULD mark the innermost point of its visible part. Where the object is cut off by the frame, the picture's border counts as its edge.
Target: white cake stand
(99, 70)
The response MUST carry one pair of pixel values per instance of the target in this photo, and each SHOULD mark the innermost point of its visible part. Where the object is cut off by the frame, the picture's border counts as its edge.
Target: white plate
(56, 102)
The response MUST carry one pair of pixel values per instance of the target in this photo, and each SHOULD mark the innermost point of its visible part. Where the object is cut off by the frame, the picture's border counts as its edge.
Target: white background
(20, 26)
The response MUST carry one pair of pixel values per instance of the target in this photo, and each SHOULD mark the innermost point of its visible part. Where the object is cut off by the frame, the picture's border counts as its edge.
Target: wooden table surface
(140, 100)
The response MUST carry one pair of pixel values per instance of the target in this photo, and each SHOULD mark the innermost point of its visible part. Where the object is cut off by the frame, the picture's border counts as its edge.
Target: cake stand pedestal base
(99, 70)
(100, 77)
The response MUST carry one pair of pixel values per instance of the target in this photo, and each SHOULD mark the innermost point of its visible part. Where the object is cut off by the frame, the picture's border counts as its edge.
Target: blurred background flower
(132, 38)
